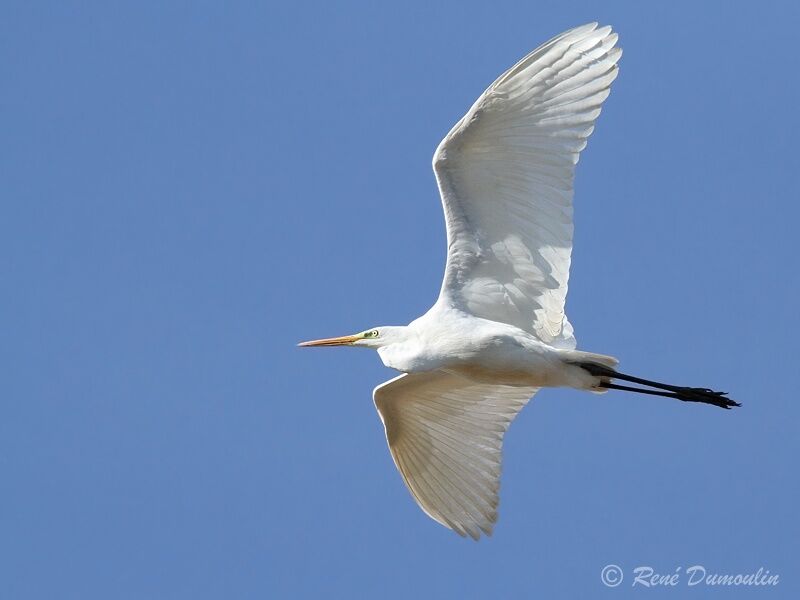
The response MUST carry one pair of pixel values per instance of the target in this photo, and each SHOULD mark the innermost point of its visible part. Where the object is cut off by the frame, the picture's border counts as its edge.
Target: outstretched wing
(505, 174)
(445, 434)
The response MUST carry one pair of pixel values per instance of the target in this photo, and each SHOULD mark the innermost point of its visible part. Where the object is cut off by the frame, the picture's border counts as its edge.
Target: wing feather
(505, 174)
(445, 434)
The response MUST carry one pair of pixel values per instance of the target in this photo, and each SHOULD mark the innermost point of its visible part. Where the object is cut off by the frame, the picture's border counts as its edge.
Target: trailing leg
(686, 394)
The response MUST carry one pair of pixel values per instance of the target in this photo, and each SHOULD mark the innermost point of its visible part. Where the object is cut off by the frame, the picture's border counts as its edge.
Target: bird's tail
(687, 394)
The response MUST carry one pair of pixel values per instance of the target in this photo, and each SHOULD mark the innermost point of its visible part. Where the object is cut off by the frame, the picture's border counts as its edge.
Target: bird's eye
(373, 333)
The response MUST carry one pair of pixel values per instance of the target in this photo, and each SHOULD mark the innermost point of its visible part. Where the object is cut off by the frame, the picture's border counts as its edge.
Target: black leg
(714, 399)
(687, 394)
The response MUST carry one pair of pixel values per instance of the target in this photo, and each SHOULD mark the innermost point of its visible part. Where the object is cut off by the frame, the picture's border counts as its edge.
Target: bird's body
(498, 331)
(485, 351)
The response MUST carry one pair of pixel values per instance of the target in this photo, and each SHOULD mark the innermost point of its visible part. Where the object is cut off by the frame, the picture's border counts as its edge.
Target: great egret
(498, 332)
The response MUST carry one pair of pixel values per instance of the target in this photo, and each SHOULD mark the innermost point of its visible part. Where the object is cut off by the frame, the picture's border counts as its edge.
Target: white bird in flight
(498, 332)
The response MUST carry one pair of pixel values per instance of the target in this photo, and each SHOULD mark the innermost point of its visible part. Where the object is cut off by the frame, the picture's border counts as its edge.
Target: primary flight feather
(498, 331)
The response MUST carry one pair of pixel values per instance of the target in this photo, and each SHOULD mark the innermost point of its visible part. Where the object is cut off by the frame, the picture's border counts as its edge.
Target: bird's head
(377, 337)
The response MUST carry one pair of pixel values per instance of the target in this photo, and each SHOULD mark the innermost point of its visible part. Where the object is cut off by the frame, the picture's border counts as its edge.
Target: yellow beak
(336, 341)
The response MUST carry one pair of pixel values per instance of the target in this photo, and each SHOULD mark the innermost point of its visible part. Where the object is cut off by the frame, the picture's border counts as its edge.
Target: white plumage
(498, 331)
(505, 173)
(445, 434)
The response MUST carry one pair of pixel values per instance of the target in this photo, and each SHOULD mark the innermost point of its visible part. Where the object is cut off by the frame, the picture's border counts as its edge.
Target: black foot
(706, 396)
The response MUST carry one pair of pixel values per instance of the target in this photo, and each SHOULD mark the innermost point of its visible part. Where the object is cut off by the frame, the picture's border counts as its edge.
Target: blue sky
(190, 190)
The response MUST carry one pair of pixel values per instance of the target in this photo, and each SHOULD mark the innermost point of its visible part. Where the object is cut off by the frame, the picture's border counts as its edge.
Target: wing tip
(586, 27)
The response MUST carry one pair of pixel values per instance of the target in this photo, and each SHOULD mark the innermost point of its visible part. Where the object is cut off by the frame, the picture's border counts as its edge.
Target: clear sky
(189, 191)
